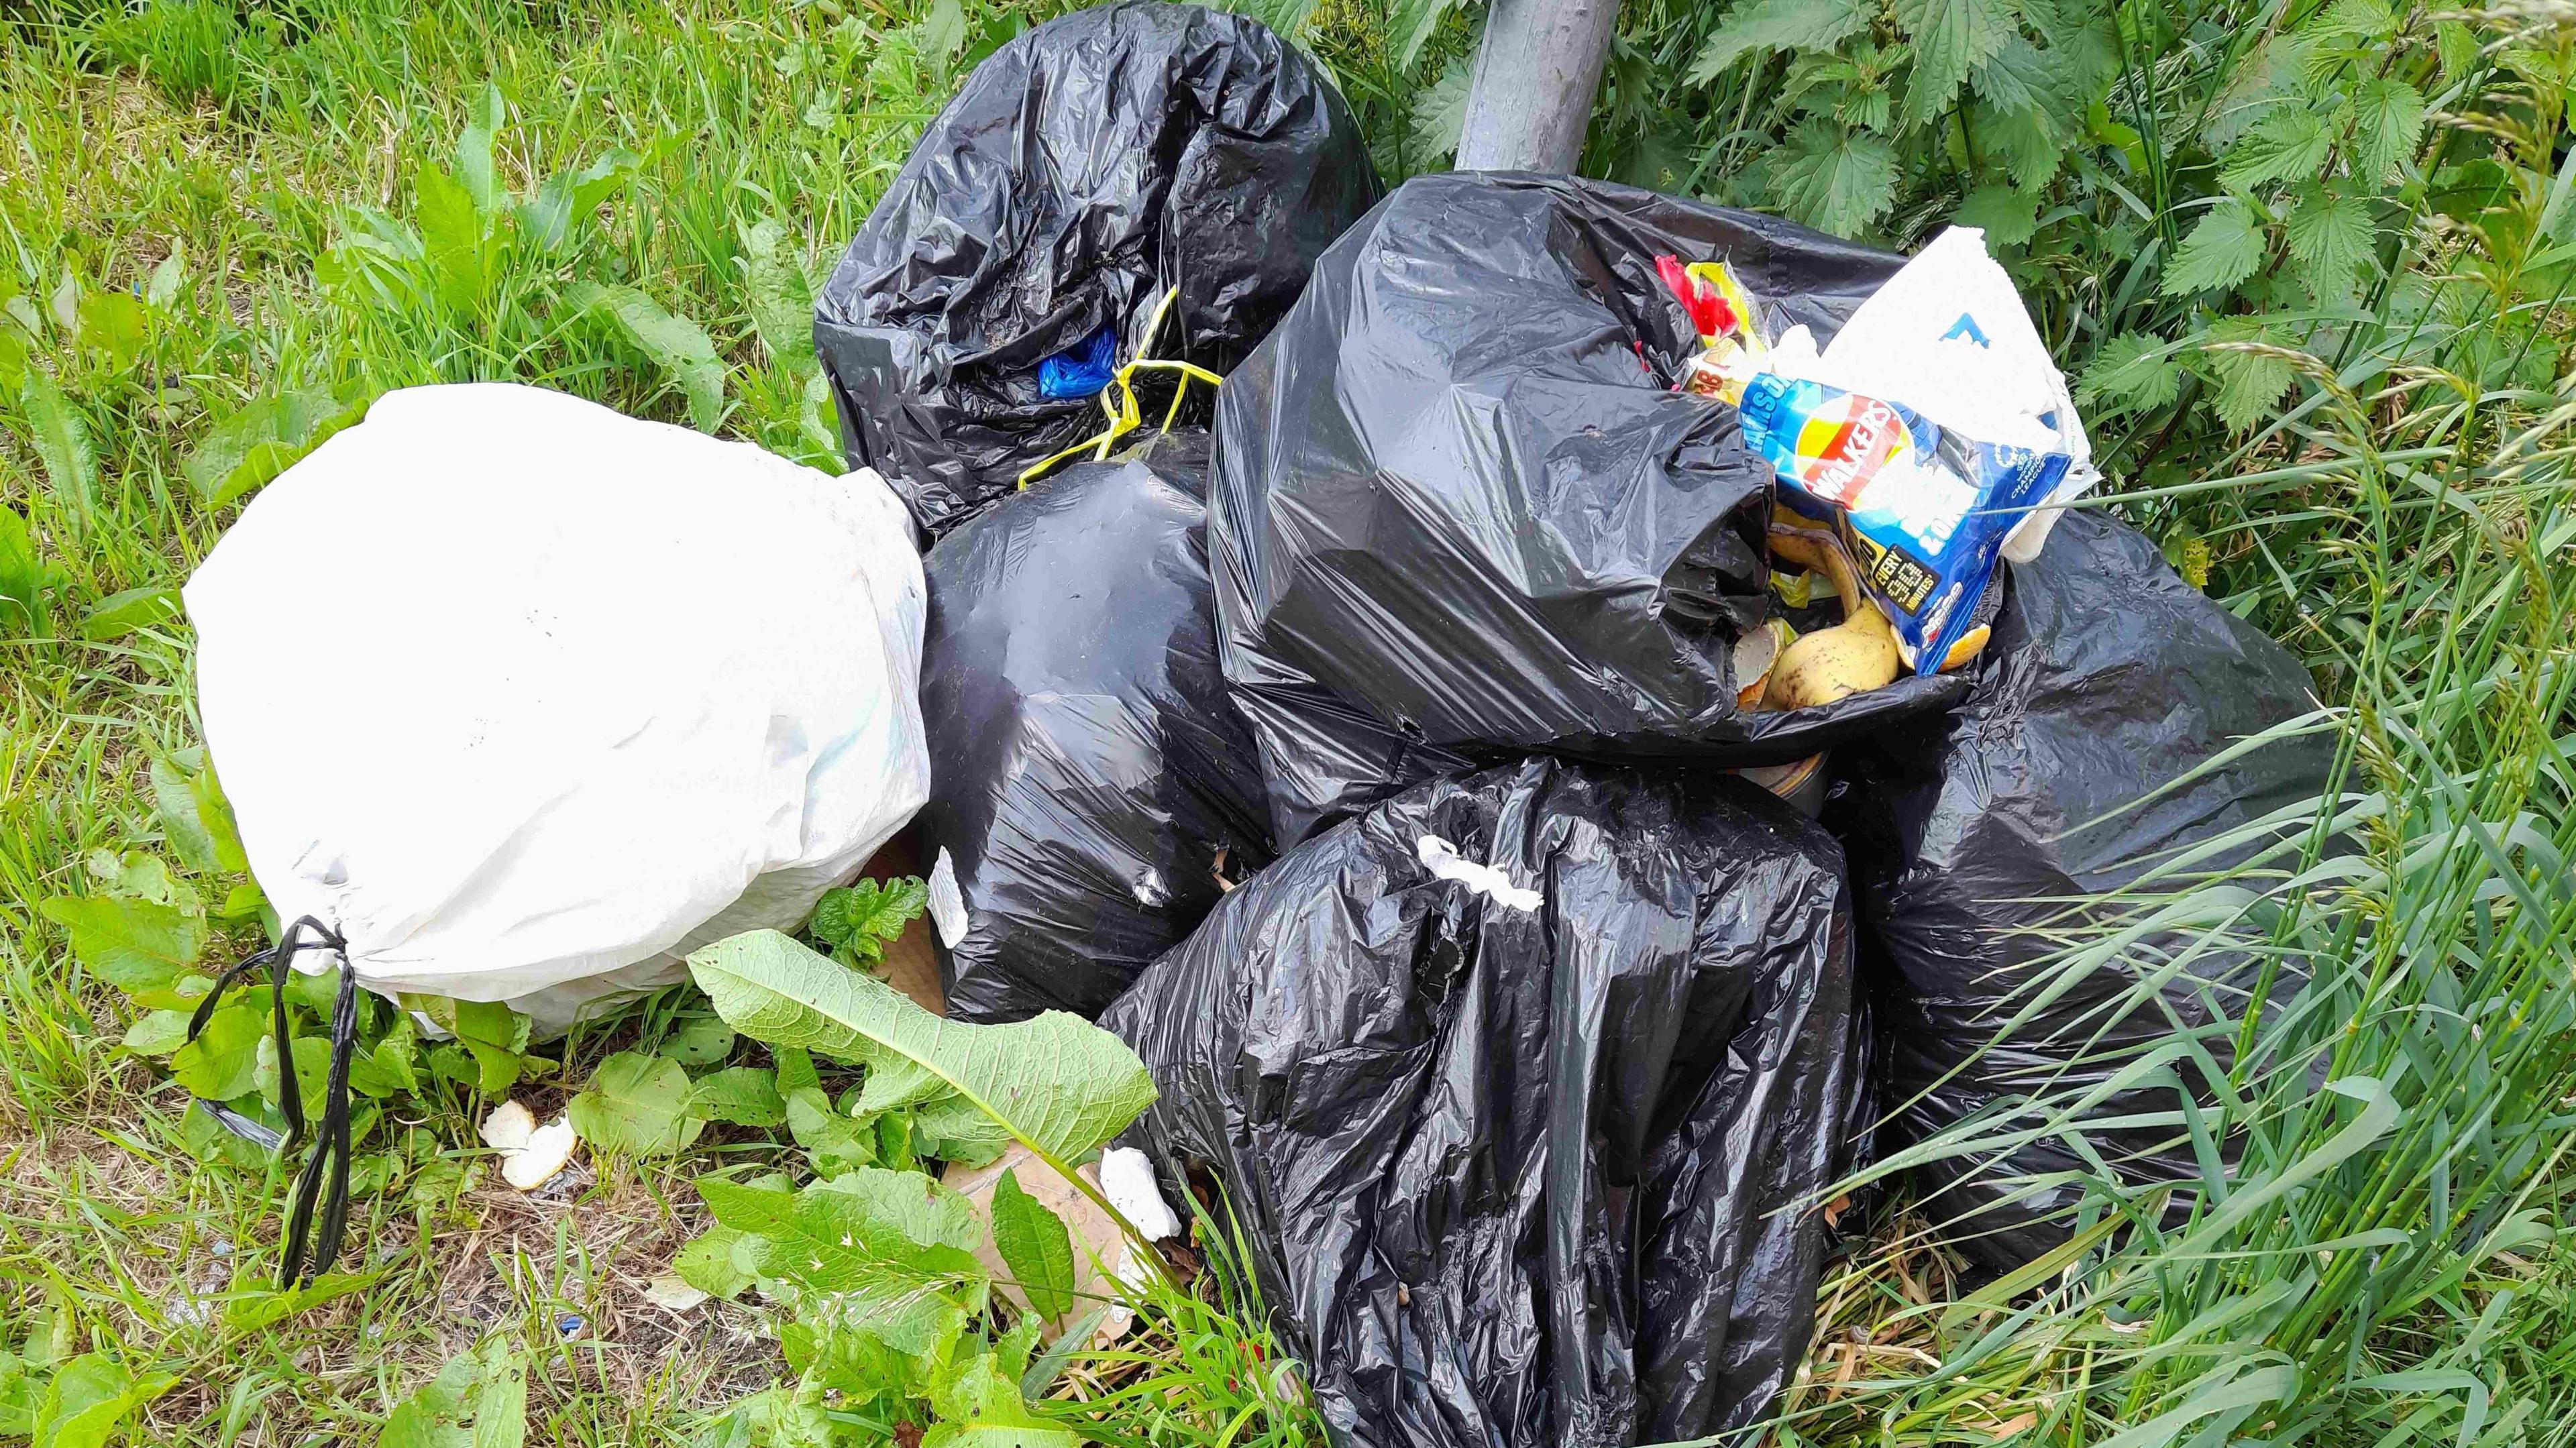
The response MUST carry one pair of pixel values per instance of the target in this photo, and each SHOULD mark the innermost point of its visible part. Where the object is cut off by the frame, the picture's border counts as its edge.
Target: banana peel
(1798, 540)
(1853, 657)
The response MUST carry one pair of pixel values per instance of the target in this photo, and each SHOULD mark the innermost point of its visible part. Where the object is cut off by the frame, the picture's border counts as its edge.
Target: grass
(204, 206)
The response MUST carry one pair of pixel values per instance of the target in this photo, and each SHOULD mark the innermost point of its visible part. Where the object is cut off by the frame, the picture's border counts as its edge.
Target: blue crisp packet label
(1923, 510)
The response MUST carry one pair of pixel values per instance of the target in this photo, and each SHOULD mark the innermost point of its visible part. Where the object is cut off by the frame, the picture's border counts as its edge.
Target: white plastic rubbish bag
(1949, 337)
(526, 699)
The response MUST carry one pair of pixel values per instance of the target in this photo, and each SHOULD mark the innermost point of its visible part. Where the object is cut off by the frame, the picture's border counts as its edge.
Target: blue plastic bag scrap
(1082, 369)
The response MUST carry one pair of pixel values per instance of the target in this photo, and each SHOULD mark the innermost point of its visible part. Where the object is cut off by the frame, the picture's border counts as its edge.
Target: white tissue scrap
(1441, 858)
(1127, 1179)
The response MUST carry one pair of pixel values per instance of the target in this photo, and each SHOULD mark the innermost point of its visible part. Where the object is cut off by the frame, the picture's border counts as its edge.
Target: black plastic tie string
(329, 1163)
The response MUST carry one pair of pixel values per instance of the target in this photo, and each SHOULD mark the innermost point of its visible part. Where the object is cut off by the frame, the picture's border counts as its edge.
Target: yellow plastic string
(1124, 414)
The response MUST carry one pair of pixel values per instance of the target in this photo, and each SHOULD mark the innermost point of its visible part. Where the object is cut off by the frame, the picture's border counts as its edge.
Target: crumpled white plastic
(528, 698)
(1442, 859)
(1948, 336)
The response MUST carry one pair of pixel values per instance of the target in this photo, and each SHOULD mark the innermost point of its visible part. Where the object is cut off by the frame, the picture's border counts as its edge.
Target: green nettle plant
(886, 1313)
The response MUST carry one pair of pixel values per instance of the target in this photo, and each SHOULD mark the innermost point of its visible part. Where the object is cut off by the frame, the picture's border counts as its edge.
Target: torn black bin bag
(1082, 170)
(1457, 508)
(2108, 678)
(1088, 776)
(1523, 1083)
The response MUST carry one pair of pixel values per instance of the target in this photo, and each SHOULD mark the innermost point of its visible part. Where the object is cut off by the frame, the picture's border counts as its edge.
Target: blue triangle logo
(1966, 327)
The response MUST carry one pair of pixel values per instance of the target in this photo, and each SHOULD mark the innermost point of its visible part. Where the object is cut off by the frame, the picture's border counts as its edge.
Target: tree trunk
(1536, 75)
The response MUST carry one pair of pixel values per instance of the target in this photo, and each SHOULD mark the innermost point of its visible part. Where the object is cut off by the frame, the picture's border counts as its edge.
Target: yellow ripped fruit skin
(1852, 657)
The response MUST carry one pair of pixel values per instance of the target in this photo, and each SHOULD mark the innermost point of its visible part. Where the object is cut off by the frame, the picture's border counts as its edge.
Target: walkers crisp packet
(1923, 510)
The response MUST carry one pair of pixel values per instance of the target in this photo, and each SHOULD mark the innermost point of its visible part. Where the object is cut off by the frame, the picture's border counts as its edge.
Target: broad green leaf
(1288, 17)
(2025, 142)
(111, 324)
(197, 819)
(678, 346)
(1811, 25)
(490, 1032)
(119, 614)
(1058, 1084)
(743, 1095)
(819, 424)
(1035, 1246)
(2387, 124)
(474, 151)
(391, 1066)
(2458, 46)
(636, 1105)
(1410, 24)
(452, 238)
(264, 439)
(942, 30)
(547, 219)
(2006, 216)
(697, 1040)
(257, 1309)
(22, 1387)
(2290, 143)
(62, 441)
(2083, 54)
(917, 1204)
(836, 1143)
(88, 1401)
(24, 581)
(133, 945)
(977, 1397)
(854, 1248)
(501, 1404)
(720, 1262)
(2014, 79)
(157, 1033)
(1951, 38)
(2224, 249)
(2330, 237)
(136, 875)
(895, 1141)
(962, 1133)
(2132, 372)
(1832, 179)
(2249, 382)
(782, 300)
(437, 1414)
(2366, 21)
(312, 1070)
(162, 289)
(861, 919)
(1439, 115)
(894, 1085)
(795, 1068)
(223, 1062)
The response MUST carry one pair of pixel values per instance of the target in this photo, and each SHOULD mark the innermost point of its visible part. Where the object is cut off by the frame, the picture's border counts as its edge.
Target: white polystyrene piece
(1127, 1179)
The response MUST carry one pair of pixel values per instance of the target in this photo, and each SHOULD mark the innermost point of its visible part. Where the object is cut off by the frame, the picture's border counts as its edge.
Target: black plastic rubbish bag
(1457, 510)
(1523, 1083)
(2108, 678)
(1088, 776)
(1082, 170)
